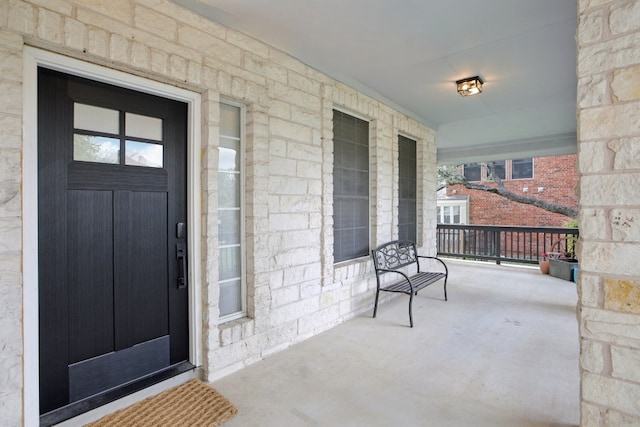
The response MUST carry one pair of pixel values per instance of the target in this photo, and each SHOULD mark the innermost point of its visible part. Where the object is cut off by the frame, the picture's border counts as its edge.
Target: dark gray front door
(111, 225)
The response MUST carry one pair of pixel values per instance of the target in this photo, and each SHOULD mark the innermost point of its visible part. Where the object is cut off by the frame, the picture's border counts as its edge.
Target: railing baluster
(500, 243)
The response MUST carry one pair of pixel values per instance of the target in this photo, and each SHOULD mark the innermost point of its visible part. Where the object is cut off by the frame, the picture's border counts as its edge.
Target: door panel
(141, 267)
(91, 318)
(110, 309)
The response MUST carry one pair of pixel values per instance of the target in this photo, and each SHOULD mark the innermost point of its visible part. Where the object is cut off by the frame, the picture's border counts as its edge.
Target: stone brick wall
(294, 289)
(11, 345)
(609, 166)
(558, 178)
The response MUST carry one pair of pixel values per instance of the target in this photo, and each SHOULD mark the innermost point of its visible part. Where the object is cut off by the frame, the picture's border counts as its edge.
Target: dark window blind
(350, 187)
(407, 189)
(500, 168)
(472, 172)
(522, 168)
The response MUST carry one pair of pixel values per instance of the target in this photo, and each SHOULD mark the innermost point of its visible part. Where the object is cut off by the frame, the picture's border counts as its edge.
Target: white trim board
(32, 59)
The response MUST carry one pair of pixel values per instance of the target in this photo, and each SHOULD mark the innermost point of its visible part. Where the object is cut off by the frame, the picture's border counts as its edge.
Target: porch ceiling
(409, 54)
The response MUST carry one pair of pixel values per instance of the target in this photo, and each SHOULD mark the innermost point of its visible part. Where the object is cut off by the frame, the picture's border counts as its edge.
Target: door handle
(181, 256)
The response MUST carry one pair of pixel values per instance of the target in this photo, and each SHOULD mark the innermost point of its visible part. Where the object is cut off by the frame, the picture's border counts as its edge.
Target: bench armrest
(446, 270)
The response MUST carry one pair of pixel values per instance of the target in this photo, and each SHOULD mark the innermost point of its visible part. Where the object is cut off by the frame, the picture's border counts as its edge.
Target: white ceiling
(409, 53)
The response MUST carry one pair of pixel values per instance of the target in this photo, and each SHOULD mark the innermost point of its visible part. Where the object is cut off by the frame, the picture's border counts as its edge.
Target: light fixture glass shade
(469, 86)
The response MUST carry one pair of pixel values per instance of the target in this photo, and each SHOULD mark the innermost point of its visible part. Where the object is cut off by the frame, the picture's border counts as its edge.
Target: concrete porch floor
(503, 351)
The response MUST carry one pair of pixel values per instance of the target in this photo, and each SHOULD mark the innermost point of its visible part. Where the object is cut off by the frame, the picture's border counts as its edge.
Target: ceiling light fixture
(469, 86)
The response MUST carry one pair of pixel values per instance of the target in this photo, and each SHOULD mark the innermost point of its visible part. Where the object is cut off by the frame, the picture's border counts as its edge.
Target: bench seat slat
(419, 281)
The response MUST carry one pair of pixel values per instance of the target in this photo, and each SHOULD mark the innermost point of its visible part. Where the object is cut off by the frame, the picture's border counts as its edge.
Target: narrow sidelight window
(231, 214)
(407, 189)
(350, 187)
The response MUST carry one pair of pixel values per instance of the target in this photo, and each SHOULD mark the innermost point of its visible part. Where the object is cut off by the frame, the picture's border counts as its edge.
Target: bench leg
(410, 312)
(375, 305)
(445, 288)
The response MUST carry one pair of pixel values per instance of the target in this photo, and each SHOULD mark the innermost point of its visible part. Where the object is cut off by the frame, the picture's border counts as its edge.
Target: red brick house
(550, 178)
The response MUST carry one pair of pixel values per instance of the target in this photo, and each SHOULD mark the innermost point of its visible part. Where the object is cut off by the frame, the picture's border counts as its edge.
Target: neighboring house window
(504, 169)
(350, 187)
(231, 214)
(407, 189)
(448, 214)
(500, 170)
(522, 169)
(452, 211)
(452, 214)
(473, 172)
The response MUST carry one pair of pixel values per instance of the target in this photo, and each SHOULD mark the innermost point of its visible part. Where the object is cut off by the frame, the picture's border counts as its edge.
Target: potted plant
(544, 264)
(562, 265)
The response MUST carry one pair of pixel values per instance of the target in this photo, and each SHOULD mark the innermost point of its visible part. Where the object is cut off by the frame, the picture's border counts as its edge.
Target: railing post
(497, 246)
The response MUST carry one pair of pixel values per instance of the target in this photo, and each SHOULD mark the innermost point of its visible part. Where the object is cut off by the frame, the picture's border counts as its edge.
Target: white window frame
(464, 210)
(243, 243)
(533, 170)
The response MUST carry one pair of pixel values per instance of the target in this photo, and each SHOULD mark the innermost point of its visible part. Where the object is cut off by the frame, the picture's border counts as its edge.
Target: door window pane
(144, 154)
(96, 119)
(145, 127)
(98, 149)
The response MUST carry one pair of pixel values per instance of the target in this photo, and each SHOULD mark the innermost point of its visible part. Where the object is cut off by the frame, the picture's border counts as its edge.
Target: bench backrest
(394, 255)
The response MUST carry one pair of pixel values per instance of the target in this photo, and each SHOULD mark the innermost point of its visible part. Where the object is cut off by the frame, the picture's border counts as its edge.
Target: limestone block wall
(11, 348)
(609, 164)
(294, 290)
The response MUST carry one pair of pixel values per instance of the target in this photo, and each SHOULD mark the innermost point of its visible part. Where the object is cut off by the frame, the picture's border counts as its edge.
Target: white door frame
(32, 59)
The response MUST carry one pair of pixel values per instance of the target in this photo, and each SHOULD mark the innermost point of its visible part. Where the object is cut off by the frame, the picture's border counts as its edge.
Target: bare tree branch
(446, 178)
(494, 175)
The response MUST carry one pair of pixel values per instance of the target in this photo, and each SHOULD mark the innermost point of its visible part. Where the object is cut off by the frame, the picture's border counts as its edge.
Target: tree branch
(528, 200)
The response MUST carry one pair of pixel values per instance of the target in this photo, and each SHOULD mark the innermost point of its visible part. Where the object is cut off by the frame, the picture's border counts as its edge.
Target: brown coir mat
(190, 404)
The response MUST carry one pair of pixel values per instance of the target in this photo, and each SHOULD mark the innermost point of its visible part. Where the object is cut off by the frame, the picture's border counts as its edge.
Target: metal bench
(392, 258)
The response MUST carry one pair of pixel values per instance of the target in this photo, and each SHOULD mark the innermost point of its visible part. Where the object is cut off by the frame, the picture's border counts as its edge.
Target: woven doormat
(190, 404)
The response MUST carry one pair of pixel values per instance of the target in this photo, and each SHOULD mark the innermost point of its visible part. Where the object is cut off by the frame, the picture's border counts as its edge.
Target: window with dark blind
(499, 168)
(522, 169)
(407, 189)
(473, 171)
(350, 187)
